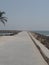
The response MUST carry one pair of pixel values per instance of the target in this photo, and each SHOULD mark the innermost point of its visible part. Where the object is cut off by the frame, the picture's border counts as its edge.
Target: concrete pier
(19, 50)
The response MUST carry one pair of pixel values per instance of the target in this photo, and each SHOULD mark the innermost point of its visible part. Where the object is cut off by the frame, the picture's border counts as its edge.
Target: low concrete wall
(43, 50)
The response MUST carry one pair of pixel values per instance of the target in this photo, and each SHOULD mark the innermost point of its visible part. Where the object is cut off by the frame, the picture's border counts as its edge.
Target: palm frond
(3, 19)
(3, 22)
(1, 13)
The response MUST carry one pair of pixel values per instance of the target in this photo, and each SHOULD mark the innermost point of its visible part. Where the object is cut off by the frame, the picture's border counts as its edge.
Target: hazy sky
(26, 14)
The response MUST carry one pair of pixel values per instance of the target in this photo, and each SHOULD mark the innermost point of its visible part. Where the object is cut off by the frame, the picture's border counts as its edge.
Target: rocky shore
(42, 38)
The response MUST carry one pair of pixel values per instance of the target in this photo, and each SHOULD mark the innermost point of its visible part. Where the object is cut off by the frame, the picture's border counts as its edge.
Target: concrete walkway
(20, 50)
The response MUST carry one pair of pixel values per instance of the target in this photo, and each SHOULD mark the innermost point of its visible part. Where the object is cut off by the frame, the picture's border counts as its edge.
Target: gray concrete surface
(20, 50)
(43, 49)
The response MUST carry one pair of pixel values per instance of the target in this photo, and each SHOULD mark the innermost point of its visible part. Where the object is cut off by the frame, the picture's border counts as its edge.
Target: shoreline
(42, 38)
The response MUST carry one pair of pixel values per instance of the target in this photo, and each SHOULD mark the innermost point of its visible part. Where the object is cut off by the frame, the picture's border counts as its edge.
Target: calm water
(3, 34)
(43, 32)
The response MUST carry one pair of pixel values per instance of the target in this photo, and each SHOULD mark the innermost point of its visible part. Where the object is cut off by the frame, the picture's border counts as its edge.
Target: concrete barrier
(43, 50)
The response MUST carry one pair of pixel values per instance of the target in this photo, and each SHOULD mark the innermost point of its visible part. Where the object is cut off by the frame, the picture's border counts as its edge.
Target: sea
(5, 34)
(46, 33)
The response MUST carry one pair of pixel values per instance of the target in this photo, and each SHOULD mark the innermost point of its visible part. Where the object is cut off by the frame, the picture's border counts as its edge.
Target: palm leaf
(3, 22)
(1, 13)
(3, 19)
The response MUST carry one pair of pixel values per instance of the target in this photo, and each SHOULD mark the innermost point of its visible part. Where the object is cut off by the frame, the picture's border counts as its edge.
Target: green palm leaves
(2, 18)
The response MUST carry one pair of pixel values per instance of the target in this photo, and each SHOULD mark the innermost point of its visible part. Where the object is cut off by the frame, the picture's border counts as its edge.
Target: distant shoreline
(8, 32)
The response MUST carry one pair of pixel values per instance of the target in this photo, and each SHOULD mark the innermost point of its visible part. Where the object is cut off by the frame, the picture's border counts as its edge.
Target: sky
(25, 14)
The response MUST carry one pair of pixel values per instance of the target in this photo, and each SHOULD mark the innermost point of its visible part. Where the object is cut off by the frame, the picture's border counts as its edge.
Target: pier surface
(19, 50)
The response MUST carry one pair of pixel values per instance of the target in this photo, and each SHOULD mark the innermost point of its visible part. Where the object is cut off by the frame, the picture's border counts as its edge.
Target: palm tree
(2, 18)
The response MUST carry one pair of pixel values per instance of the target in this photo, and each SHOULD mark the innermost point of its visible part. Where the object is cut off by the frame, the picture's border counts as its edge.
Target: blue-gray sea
(3, 34)
(43, 32)
(40, 32)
